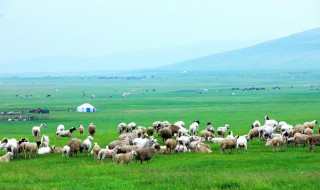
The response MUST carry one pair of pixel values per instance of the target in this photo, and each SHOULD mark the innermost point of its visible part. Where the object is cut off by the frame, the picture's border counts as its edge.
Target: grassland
(169, 97)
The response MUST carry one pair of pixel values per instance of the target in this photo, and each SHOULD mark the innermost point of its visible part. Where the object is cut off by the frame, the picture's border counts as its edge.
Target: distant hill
(298, 51)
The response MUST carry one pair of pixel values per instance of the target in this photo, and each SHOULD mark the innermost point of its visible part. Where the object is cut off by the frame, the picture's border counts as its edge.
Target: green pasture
(172, 97)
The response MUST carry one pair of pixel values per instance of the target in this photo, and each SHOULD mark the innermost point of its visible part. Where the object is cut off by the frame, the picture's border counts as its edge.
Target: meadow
(160, 97)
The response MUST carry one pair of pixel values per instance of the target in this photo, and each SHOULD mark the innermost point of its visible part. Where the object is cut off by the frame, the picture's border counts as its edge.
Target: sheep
(131, 136)
(119, 143)
(129, 148)
(298, 128)
(242, 142)
(215, 140)
(308, 131)
(310, 124)
(182, 131)
(81, 130)
(65, 151)
(170, 144)
(180, 148)
(66, 133)
(165, 133)
(254, 132)
(144, 142)
(202, 147)
(95, 150)
(179, 123)
(230, 135)
(36, 130)
(222, 130)
(124, 158)
(21, 143)
(227, 144)
(285, 127)
(44, 150)
(299, 139)
(150, 131)
(145, 154)
(277, 142)
(32, 148)
(86, 145)
(314, 140)
(256, 123)
(210, 127)
(92, 129)
(45, 141)
(107, 153)
(131, 126)
(194, 127)
(122, 127)
(270, 122)
(184, 140)
(266, 131)
(205, 134)
(6, 157)
(10, 145)
(75, 146)
(60, 127)
(289, 133)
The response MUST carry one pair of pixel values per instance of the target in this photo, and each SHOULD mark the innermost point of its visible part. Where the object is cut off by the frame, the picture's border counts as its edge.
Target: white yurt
(86, 108)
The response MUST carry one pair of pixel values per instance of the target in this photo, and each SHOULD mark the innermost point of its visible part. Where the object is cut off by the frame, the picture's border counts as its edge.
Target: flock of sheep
(139, 143)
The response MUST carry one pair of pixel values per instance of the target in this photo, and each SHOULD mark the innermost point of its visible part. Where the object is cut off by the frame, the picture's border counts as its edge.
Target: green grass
(169, 97)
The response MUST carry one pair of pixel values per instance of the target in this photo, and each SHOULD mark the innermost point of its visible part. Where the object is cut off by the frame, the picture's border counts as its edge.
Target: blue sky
(41, 28)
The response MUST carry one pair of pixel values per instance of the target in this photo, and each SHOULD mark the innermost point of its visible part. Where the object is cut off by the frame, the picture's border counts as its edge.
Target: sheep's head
(134, 153)
(43, 125)
(227, 126)
(72, 129)
(4, 140)
(197, 121)
(266, 117)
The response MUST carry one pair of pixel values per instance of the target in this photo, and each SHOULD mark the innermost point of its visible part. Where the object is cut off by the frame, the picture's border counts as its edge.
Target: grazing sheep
(75, 146)
(66, 151)
(308, 131)
(122, 127)
(298, 129)
(180, 148)
(6, 157)
(256, 123)
(31, 148)
(228, 144)
(36, 130)
(194, 127)
(144, 142)
(285, 127)
(86, 145)
(66, 133)
(145, 154)
(107, 153)
(210, 127)
(124, 158)
(170, 144)
(242, 142)
(45, 141)
(230, 135)
(131, 126)
(215, 140)
(314, 140)
(131, 136)
(165, 133)
(60, 127)
(129, 148)
(92, 129)
(150, 131)
(202, 147)
(276, 143)
(183, 132)
(254, 132)
(206, 134)
(265, 131)
(179, 123)
(11, 145)
(184, 140)
(289, 133)
(299, 139)
(310, 124)
(119, 143)
(271, 122)
(81, 130)
(222, 130)
(95, 150)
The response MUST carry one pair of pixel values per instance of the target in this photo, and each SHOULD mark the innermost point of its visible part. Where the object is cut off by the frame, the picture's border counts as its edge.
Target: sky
(89, 28)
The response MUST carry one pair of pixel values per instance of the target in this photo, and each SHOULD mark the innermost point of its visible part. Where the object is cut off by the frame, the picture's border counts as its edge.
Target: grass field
(172, 97)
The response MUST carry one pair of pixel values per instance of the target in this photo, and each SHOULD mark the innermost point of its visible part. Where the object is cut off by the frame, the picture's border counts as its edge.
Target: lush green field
(169, 97)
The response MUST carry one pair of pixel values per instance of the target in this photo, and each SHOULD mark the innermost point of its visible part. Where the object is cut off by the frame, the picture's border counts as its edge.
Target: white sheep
(122, 127)
(310, 124)
(6, 157)
(65, 151)
(271, 122)
(36, 130)
(180, 123)
(266, 131)
(284, 126)
(194, 127)
(144, 142)
(277, 142)
(44, 150)
(11, 145)
(256, 123)
(86, 145)
(131, 126)
(60, 127)
(65, 133)
(45, 141)
(184, 140)
(230, 136)
(180, 148)
(222, 130)
(242, 142)
(215, 139)
(182, 131)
